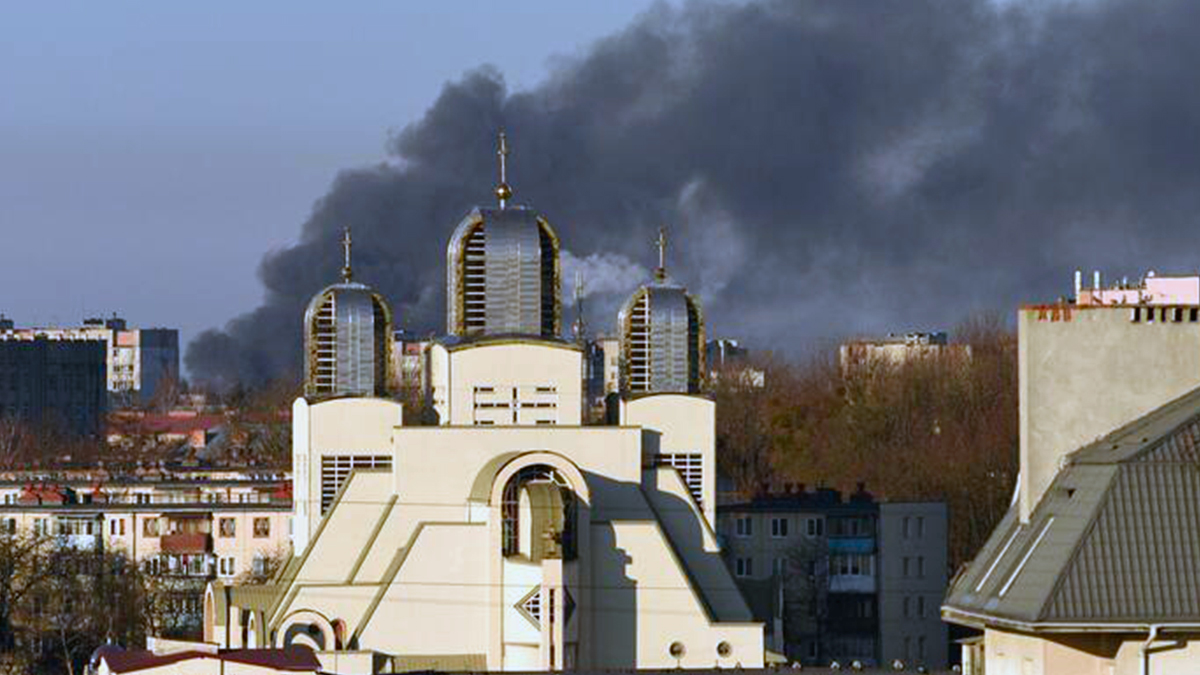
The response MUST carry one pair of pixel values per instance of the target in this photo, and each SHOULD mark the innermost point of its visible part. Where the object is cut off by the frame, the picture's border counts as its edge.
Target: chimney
(1078, 283)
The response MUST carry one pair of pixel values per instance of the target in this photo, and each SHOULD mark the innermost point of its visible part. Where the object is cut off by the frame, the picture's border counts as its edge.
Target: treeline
(938, 424)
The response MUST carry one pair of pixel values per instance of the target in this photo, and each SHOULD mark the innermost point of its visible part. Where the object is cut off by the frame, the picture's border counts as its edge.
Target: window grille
(336, 469)
(690, 466)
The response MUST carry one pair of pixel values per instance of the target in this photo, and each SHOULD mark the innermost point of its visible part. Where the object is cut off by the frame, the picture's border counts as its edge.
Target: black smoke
(826, 168)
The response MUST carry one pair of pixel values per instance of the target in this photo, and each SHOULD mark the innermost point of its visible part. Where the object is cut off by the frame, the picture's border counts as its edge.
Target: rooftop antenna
(660, 274)
(579, 327)
(347, 273)
(503, 191)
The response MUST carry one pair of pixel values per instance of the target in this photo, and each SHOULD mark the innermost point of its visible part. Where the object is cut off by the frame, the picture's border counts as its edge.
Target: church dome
(662, 337)
(347, 340)
(502, 270)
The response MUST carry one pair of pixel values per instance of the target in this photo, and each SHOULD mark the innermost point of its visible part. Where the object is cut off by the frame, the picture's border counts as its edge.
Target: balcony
(858, 544)
(186, 542)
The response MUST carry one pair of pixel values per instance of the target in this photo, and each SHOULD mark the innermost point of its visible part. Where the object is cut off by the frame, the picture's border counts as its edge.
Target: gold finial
(503, 191)
(661, 273)
(347, 274)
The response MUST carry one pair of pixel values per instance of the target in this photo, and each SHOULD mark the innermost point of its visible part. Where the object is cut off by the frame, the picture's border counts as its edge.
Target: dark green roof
(1114, 541)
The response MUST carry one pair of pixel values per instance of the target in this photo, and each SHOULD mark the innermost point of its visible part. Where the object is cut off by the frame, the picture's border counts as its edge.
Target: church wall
(503, 366)
(332, 601)
(644, 604)
(437, 467)
(696, 545)
(338, 427)
(438, 602)
(332, 554)
(687, 424)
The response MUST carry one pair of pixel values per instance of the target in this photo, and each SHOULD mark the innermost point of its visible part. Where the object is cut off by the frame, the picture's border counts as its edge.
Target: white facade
(509, 536)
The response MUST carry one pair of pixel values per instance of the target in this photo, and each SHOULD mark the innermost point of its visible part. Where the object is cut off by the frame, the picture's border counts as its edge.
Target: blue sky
(151, 152)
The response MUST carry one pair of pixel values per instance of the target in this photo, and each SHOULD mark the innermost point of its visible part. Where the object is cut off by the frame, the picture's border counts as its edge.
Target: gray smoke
(826, 168)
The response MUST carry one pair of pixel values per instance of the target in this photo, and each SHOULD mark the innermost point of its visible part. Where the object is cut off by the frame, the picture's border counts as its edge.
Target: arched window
(538, 511)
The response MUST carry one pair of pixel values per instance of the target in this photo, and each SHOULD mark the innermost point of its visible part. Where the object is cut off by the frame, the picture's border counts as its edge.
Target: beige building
(1095, 568)
(508, 535)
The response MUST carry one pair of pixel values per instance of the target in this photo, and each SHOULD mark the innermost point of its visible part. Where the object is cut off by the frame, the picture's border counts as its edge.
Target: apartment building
(191, 528)
(841, 579)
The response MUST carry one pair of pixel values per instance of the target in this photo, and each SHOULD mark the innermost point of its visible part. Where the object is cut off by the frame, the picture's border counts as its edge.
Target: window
(8, 526)
(779, 527)
(744, 526)
(921, 648)
(779, 566)
(112, 527)
(259, 564)
(906, 528)
(920, 567)
(150, 527)
(691, 469)
(744, 567)
(142, 498)
(226, 566)
(227, 527)
(336, 469)
(904, 567)
(816, 527)
(851, 564)
(921, 606)
(907, 607)
(262, 527)
(121, 529)
(920, 526)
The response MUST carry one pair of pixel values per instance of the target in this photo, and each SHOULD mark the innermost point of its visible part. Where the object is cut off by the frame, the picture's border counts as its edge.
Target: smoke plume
(825, 168)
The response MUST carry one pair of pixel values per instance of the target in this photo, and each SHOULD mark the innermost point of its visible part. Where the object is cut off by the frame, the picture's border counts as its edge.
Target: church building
(506, 534)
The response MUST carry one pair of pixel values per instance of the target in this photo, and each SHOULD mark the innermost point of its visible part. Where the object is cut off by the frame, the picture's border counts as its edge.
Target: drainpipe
(1154, 631)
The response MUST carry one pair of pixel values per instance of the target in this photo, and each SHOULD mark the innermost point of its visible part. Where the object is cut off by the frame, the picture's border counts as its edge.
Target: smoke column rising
(826, 168)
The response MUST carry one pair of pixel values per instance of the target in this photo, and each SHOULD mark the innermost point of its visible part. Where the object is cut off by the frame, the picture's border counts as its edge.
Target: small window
(262, 527)
(1194, 314)
(905, 528)
(744, 567)
(904, 567)
(1178, 314)
(907, 607)
(920, 567)
(921, 606)
(150, 527)
(778, 566)
(227, 527)
(779, 527)
(815, 527)
(920, 526)
(744, 526)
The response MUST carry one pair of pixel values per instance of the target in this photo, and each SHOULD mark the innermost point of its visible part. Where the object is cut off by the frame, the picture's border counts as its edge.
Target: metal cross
(346, 273)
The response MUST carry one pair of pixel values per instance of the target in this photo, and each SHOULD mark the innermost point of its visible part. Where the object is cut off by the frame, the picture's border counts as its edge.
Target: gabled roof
(1114, 541)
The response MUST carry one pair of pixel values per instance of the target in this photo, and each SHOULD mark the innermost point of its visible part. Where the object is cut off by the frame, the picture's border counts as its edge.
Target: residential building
(56, 382)
(193, 526)
(507, 536)
(409, 362)
(1093, 569)
(872, 354)
(137, 361)
(842, 580)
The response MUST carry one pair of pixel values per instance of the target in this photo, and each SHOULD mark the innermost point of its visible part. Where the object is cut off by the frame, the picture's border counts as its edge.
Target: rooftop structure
(502, 270)
(348, 339)
(1150, 290)
(662, 336)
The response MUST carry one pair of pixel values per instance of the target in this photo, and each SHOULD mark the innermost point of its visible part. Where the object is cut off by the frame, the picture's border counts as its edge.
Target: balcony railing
(186, 542)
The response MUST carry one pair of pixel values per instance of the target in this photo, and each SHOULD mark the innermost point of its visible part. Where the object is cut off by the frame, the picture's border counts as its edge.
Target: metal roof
(1114, 541)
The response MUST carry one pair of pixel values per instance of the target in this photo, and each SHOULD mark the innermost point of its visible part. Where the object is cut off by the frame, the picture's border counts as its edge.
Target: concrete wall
(1084, 372)
(687, 424)
(908, 604)
(504, 365)
(1088, 654)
